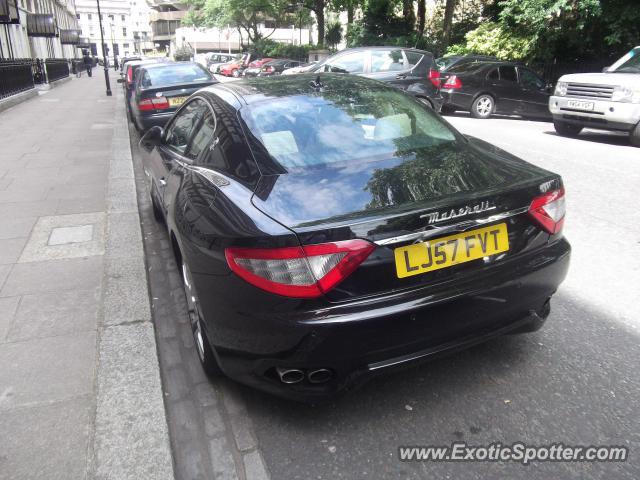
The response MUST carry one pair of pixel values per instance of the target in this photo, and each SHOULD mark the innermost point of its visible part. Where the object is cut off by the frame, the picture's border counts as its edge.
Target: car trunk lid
(398, 201)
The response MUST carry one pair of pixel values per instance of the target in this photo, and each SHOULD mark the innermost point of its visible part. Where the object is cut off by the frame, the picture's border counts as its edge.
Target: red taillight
(548, 210)
(129, 76)
(434, 76)
(268, 69)
(452, 82)
(302, 272)
(158, 103)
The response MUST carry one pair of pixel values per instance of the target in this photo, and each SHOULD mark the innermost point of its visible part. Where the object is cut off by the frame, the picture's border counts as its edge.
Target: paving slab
(66, 236)
(57, 436)
(46, 370)
(10, 249)
(8, 307)
(53, 276)
(60, 313)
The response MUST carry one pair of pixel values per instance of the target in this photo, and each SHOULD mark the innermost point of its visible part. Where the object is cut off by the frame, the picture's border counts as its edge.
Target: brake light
(129, 75)
(301, 272)
(548, 210)
(452, 82)
(434, 76)
(158, 103)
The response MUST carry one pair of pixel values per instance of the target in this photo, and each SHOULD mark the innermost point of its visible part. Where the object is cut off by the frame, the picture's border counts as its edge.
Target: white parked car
(295, 70)
(606, 101)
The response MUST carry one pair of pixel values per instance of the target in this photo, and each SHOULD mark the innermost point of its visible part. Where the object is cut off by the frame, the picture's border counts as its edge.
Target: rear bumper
(606, 115)
(154, 120)
(458, 100)
(359, 339)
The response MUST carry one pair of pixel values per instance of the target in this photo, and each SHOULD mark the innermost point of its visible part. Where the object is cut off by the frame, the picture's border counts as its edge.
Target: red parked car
(232, 69)
(255, 67)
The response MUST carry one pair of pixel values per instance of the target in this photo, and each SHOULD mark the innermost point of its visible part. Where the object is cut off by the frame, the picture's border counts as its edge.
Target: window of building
(122, 18)
(89, 16)
(78, 16)
(124, 32)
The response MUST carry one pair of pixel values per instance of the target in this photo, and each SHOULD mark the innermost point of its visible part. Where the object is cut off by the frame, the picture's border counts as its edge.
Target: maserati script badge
(459, 212)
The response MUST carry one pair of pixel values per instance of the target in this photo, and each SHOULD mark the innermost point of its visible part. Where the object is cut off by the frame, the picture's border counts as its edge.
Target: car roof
(254, 90)
(383, 47)
(164, 64)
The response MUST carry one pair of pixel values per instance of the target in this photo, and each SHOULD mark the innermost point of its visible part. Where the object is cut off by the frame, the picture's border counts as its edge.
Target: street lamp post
(104, 53)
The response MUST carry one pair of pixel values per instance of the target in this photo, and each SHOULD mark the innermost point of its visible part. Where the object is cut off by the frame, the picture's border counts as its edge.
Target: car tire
(235, 74)
(634, 136)
(566, 129)
(203, 347)
(483, 106)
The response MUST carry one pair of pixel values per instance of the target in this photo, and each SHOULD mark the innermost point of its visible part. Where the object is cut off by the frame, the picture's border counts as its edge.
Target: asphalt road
(576, 381)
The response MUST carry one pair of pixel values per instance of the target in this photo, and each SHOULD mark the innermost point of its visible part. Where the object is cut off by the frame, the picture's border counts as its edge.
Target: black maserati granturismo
(329, 228)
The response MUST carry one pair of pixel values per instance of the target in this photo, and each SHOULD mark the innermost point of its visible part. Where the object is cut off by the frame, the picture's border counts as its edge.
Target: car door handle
(401, 76)
(163, 182)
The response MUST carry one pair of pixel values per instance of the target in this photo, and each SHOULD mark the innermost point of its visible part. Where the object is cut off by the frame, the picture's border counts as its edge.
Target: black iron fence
(57, 68)
(16, 76)
(22, 74)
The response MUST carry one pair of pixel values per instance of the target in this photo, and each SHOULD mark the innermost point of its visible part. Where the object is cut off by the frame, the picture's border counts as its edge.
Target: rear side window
(387, 61)
(413, 58)
(347, 63)
(172, 74)
(508, 74)
(493, 75)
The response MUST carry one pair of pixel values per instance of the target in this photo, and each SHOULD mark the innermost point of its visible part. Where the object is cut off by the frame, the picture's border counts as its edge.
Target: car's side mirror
(152, 138)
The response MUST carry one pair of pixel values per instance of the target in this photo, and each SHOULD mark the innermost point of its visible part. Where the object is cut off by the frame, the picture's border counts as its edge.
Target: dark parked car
(161, 88)
(408, 69)
(129, 78)
(330, 230)
(276, 67)
(485, 88)
(445, 63)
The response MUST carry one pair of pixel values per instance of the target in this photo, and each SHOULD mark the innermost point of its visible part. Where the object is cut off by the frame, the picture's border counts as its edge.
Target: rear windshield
(174, 74)
(308, 131)
(444, 62)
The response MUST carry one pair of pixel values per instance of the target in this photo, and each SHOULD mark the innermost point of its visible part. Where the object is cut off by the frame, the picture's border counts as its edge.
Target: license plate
(452, 250)
(578, 105)
(176, 101)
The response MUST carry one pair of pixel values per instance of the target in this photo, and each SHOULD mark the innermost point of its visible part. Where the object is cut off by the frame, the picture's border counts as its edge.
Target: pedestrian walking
(88, 64)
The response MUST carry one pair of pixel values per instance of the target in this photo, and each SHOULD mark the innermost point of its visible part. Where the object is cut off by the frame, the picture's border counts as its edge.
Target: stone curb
(131, 433)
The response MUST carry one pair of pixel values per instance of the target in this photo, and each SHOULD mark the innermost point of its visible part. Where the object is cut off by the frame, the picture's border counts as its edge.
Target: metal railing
(16, 76)
(57, 68)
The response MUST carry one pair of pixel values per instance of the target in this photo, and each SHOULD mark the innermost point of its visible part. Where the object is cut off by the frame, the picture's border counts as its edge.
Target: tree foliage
(334, 34)
(492, 39)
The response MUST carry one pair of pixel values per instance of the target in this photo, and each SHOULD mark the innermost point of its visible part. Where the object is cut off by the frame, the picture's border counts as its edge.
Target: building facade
(15, 41)
(126, 26)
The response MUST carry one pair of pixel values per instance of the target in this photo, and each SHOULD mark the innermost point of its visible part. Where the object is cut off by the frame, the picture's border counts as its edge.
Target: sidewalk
(80, 393)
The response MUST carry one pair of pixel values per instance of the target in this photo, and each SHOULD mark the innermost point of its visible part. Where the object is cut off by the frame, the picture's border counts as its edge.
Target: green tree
(245, 15)
(334, 34)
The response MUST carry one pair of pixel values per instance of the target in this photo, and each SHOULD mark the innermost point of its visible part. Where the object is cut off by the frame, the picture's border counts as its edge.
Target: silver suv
(606, 101)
